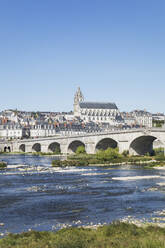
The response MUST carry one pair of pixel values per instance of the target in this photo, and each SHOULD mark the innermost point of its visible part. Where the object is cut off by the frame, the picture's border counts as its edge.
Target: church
(99, 112)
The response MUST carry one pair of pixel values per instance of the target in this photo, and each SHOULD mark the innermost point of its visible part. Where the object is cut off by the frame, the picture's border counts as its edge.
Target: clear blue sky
(113, 49)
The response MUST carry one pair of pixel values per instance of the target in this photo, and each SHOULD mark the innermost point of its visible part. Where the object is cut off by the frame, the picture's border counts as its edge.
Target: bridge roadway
(137, 141)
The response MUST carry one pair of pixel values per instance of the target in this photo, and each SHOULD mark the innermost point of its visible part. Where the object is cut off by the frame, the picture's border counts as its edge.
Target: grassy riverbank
(119, 235)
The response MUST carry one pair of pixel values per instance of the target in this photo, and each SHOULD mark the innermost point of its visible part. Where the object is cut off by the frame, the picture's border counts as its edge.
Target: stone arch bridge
(137, 141)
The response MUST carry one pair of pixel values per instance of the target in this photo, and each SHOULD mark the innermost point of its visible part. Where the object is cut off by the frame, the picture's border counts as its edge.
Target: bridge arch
(54, 147)
(105, 143)
(7, 149)
(142, 145)
(22, 148)
(36, 147)
(74, 145)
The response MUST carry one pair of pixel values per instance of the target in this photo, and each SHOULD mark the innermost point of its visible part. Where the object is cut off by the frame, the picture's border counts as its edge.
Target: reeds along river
(33, 195)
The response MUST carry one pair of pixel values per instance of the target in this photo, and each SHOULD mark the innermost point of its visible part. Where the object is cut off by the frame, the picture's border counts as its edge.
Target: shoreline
(116, 234)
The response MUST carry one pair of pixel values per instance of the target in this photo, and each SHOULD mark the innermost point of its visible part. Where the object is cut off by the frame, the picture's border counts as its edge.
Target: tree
(108, 155)
(80, 150)
(125, 153)
(57, 150)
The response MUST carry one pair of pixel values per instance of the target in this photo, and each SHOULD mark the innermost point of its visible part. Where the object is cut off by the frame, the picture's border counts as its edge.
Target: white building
(130, 121)
(142, 118)
(158, 117)
(11, 115)
(42, 131)
(11, 131)
(100, 112)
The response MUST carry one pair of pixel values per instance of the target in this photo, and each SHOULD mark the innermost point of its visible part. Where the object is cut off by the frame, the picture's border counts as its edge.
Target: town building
(137, 118)
(11, 132)
(142, 118)
(158, 117)
(43, 130)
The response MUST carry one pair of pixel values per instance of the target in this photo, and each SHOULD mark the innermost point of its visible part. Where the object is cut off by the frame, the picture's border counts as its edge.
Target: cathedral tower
(78, 97)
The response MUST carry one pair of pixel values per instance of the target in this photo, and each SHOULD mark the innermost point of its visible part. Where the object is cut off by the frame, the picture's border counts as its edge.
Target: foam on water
(26, 169)
(161, 184)
(71, 169)
(95, 174)
(159, 168)
(44, 188)
(16, 166)
(135, 178)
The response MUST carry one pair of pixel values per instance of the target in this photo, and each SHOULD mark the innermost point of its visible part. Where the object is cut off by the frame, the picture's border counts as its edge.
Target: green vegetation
(158, 151)
(112, 156)
(117, 235)
(64, 163)
(3, 165)
(157, 123)
(108, 155)
(80, 150)
(46, 153)
(125, 153)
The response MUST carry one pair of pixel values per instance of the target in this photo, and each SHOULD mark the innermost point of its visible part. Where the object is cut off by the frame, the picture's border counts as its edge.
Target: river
(33, 195)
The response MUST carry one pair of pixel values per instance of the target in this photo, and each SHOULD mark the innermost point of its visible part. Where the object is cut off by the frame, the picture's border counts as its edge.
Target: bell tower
(78, 97)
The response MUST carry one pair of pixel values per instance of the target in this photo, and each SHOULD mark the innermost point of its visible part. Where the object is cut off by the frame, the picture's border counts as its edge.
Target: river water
(33, 195)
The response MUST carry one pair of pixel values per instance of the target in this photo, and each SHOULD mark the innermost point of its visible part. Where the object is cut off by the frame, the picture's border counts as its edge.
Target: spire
(78, 96)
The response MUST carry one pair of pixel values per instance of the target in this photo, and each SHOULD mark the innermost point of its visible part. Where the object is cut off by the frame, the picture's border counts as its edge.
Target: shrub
(3, 165)
(158, 151)
(80, 150)
(81, 156)
(57, 150)
(59, 163)
(112, 153)
(125, 153)
(160, 158)
(82, 162)
(108, 155)
(93, 161)
(56, 163)
(100, 155)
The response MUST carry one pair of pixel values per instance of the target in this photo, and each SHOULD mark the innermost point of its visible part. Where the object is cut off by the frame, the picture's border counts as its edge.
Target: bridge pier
(123, 146)
(64, 148)
(90, 148)
(44, 148)
(28, 148)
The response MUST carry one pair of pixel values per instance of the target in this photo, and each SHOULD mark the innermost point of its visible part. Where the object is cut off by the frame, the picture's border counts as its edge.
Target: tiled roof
(98, 105)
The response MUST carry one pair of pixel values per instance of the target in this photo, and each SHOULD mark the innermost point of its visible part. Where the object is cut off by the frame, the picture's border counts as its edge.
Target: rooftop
(98, 105)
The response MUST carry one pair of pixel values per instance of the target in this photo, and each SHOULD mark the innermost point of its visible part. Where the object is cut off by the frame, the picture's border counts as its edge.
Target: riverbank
(116, 235)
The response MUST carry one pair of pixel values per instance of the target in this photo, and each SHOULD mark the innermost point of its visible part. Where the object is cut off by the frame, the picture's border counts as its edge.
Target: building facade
(143, 118)
(100, 112)
(11, 132)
